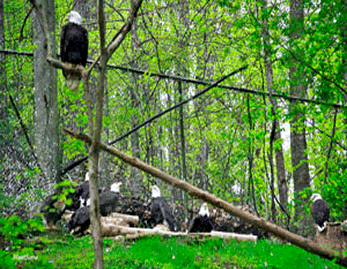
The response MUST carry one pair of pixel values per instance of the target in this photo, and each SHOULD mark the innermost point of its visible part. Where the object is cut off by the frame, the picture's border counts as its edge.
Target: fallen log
(130, 232)
(115, 230)
(300, 241)
(238, 237)
(121, 219)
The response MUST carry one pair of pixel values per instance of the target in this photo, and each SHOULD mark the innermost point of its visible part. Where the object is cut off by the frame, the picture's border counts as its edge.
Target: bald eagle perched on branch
(320, 211)
(73, 47)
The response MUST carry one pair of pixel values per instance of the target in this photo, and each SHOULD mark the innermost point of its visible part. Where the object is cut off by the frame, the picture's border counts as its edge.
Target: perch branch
(261, 223)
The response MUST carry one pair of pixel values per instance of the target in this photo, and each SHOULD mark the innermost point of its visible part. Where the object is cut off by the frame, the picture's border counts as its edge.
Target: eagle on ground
(109, 200)
(203, 223)
(161, 210)
(83, 190)
(80, 220)
(320, 211)
(73, 47)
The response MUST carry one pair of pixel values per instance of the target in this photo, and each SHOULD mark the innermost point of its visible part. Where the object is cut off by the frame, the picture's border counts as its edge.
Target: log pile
(134, 220)
(335, 236)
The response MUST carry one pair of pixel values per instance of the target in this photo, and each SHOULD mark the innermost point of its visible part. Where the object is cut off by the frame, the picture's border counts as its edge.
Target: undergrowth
(163, 252)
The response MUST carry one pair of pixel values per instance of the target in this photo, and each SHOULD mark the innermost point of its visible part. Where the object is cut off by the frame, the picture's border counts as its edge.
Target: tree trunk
(3, 77)
(298, 88)
(136, 178)
(46, 115)
(95, 128)
(275, 134)
(183, 149)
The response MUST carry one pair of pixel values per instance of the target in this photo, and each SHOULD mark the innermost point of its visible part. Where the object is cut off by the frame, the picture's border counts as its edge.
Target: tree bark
(275, 134)
(3, 77)
(298, 88)
(295, 239)
(95, 128)
(46, 116)
(135, 91)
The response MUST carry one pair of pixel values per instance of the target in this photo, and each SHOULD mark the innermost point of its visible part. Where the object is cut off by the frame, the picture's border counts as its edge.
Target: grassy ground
(162, 252)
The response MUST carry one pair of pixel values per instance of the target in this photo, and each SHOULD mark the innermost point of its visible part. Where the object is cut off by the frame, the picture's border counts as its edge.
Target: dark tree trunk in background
(136, 178)
(344, 41)
(46, 115)
(281, 177)
(3, 77)
(3, 82)
(183, 150)
(298, 88)
(183, 12)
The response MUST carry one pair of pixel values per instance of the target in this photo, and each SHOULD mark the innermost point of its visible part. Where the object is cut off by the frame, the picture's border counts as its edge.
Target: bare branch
(23, 25)
(120, 36)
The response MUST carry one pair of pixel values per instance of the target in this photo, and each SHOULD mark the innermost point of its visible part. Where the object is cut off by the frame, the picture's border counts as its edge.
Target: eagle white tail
(72, 81)
(321, 229)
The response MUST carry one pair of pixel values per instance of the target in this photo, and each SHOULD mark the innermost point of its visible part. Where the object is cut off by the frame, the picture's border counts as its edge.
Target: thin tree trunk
(3, 77)
(250, 157)
(298, 88)
(46, 116)
(275, 134)
(183, 150)
(94, 150)
(136, 178)
(183, 10)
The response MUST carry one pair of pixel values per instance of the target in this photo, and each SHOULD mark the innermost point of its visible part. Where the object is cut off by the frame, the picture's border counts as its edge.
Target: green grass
(164, 252)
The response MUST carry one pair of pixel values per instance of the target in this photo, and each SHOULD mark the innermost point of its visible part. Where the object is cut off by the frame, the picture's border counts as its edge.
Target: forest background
(266, 138)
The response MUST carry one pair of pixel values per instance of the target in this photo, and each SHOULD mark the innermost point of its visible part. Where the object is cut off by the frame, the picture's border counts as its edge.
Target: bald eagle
(73, 47)
(161, 210)
(83, 190)
(203, 223)
(320, 211)
(109, 200)
(80, 220)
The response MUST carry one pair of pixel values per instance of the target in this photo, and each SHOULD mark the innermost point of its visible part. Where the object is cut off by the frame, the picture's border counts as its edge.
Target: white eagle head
(315, 197)
(155, 191)
(75, 17)
(115, 187)
(86, 177)
(204, 210)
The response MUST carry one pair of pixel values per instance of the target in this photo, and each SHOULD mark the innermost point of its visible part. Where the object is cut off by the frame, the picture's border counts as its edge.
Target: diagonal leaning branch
(295, 239)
